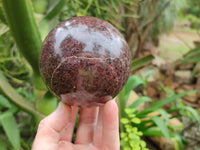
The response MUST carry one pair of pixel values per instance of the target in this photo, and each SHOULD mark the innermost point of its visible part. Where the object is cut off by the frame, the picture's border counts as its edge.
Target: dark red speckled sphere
(85, 61)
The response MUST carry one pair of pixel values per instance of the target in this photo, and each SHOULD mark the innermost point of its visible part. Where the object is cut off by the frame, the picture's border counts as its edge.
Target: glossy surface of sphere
(85, 61)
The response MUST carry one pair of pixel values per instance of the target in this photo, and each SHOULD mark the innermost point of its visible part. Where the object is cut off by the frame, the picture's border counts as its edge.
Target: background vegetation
(24, 99)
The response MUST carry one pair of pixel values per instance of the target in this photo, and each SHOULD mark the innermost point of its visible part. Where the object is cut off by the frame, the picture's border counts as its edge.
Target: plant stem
(17, 99)
(20, 18)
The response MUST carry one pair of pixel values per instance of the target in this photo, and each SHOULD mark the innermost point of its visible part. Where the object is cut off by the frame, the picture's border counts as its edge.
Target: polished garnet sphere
(85, 61)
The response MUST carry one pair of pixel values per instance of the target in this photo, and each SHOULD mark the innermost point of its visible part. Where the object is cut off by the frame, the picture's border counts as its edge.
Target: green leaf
(129, 110)
(165, 115)
(193, 53)
(154, 131)
(193, 60)
(47, 104)
(136, 120)
(16, 98)
(133, 81)
(4, 102)
(139, 101)
(55, 10)
(161, 124)
(22, 24)
(130, 15)
(114, 6)
(141, 62)
(193, 112)
(124, 120)
(40, 6)
(52, 12)
(122, 135)
(97, 7)
(11, 129)
(162, 102)
(194, 71)
(2, 146)
(2, 17)
(178, 141)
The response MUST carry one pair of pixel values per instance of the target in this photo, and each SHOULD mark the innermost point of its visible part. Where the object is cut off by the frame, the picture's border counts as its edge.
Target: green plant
(131, 137)
(193, 57)
(158, 124)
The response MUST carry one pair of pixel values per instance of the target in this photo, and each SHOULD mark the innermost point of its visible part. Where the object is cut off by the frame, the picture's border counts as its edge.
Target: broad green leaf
(161, 124)
(10, 127)
(47, 104)
(133, 82)
(139, 101)
(141, 62)
(162, 102)
(22, 25)
(154, 131)
(4, 102)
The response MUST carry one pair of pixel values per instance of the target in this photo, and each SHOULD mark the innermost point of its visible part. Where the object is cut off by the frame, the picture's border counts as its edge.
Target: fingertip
(62, 107)
(111, 107)
(110, 115)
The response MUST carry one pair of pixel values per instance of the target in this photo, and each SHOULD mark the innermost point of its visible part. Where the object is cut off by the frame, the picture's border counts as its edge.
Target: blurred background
(159, 106)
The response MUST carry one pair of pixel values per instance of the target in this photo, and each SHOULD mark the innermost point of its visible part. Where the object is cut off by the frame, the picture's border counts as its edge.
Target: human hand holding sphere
(85, 62)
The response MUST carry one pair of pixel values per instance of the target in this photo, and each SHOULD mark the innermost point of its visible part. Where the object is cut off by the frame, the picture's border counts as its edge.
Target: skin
(98, 129)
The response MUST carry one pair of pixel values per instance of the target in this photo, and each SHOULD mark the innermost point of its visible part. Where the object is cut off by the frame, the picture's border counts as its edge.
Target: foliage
(158, 124)
(194, 20)
(153, 18)
(166, 21)
(193, 8)
(106, 9)
(131, 137)
(192, 56)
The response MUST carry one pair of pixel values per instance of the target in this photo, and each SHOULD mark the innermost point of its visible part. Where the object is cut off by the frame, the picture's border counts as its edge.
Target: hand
(98, 129)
